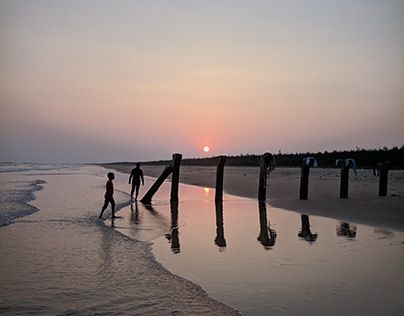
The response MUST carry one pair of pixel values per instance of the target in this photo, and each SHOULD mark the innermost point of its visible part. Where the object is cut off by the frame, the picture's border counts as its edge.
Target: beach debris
(346, 230)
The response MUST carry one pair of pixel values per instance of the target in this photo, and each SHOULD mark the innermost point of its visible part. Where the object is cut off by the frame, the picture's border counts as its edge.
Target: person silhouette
(135, 176)
(109, 195)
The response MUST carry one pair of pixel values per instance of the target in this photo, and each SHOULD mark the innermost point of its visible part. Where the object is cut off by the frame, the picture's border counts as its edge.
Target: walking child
(109, 195)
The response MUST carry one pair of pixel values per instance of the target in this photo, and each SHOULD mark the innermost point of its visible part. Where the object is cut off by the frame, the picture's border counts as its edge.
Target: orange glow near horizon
(206, 149)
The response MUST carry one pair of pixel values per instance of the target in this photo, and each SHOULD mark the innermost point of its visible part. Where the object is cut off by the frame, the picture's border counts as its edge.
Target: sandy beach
(363, 205)
(188, 258)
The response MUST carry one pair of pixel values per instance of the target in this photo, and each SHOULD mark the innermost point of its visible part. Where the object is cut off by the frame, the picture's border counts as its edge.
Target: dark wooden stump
(176, 177)
(219, 178)
(383, 177)
(343, 189)
(304, 182)
(266, 160)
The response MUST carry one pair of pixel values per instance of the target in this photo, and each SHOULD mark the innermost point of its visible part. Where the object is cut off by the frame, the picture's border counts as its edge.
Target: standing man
(135, 176)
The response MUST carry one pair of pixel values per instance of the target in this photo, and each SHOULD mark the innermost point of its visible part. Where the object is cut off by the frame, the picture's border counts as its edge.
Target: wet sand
(363, 205)
(264, 260)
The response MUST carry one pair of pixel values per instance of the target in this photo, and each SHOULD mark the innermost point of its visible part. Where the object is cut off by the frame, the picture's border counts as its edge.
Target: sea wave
(15, 197)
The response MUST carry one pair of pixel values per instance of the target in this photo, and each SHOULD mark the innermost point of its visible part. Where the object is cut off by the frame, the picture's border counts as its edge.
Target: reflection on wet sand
(172, 236)
(105, 250)
(346, 230)
(220, 241)
(267, 236)
(306, 233)
(134, 214)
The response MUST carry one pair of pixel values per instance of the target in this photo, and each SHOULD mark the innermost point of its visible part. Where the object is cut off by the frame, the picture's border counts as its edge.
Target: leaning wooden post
(304, 177)
(219, 178)
(267, 164)
(156, 185)
(176, 177)
(383, 176)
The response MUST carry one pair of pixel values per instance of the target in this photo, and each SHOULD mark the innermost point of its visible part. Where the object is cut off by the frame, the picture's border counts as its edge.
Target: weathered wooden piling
(383, 177)
(304, 182)
(156, 185)
(175, 177)
(219, 178)
(267, 164)
(304, 176)
(345, 164)
(343, 188)
(220, 241)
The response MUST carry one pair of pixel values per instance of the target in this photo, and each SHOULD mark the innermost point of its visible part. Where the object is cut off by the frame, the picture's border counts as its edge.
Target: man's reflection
(346, 230)
(172, 236)
(267, 236)
(306, 233)
(219, 240)
(134, 213)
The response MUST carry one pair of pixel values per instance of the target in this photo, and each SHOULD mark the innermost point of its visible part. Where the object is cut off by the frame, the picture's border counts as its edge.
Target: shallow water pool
(268, 261)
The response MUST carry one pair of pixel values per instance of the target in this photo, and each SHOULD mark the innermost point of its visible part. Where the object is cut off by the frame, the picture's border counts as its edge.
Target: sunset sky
(97, 81)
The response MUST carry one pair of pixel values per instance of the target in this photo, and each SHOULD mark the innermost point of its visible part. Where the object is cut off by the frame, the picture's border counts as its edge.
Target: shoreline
(363, 206)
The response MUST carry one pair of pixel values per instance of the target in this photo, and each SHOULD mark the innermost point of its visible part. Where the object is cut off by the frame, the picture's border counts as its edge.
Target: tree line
(365, 158)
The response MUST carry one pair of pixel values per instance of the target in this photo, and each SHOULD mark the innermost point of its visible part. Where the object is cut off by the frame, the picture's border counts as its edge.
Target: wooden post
(383, 177)
(156, 185)
(343, 189)
(220, 241)
(219, 178)
(265, 162)
(304, 182)
(175, 177)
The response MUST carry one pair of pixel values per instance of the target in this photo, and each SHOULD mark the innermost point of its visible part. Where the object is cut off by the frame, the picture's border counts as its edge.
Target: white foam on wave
(15, 197)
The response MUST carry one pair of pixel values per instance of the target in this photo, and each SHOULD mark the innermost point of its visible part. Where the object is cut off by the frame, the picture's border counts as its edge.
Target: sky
(99, 81)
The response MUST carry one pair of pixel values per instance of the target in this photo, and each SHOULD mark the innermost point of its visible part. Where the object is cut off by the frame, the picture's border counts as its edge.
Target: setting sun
(206, 149)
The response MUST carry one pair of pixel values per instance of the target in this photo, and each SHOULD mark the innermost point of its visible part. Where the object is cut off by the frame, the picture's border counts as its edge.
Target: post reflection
(306, 233)
(134, 213)
(267, 236)
(346, 230)
(172, 236)
(220, 241)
